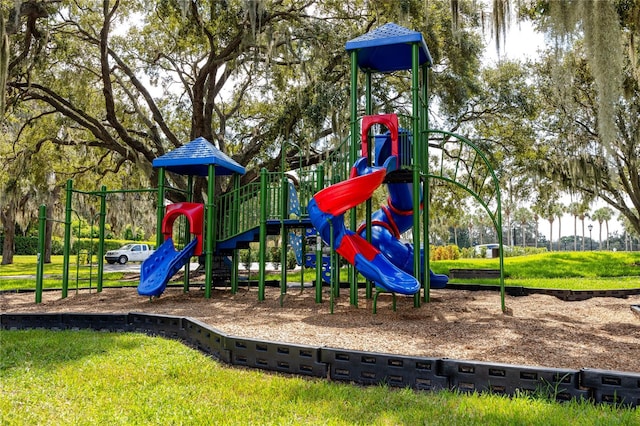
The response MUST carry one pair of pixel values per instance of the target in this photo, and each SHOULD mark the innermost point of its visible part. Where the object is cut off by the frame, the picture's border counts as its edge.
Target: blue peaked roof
(388, 48)
(194, 158)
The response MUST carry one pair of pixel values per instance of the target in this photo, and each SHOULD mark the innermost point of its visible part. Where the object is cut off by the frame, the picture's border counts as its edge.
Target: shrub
(450, 252)
(133, 235)
(247, 256)
(26, 245)
(274, 256)
(291, 259)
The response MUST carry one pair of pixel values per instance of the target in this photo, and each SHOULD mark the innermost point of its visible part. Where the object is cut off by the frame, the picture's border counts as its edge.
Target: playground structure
(398, 149)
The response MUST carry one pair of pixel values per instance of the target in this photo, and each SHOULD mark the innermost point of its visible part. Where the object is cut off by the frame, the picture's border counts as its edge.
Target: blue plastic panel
(388, 48)
(194, 158)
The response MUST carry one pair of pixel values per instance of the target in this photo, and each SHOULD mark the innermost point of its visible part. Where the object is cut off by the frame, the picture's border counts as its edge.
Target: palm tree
(536, 219)
(523, 216)
(603, 214)
(579, 210)
(583, 216)
(560, 210)
(574, 209)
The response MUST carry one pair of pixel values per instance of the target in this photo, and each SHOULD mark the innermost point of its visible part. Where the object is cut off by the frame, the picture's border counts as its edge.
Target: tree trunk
(7, 215)
(48, 231)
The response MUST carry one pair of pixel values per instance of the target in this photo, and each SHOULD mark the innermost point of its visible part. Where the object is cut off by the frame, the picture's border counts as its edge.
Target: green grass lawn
(21, 274)
(89, 378)
(599, 270)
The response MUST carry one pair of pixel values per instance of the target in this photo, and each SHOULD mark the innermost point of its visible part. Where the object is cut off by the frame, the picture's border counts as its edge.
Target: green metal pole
(320, 186)
(185, 288)
(353, 153)
(209, 241)
(415, 56)
(263, 234)
(368, 209)
(160, 207)
(234, 226)
(101, 225)
(67, 239)
(333, 266)
(42, 222)
(234, 271)
(284, 210)
(424, 165)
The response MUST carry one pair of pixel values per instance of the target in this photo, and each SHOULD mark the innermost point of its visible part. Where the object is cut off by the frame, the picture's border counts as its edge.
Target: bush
(26, 245)
(247, 257)
(291, 260)
(133, 235)
(274, 256)
(450, 252)
(467, 252)
(81, 229)
(57, 246)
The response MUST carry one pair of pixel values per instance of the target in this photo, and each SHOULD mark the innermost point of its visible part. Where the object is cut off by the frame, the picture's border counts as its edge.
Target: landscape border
(358, 367)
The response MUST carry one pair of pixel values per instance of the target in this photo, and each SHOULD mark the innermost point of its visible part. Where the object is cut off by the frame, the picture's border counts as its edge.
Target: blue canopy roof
(194, 158)
(388, 48)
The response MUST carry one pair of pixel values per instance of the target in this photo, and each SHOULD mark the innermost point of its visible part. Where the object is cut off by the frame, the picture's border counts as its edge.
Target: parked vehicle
(129, 253)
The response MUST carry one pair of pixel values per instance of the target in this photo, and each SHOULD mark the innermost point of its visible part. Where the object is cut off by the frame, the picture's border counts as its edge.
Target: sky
(523, 42)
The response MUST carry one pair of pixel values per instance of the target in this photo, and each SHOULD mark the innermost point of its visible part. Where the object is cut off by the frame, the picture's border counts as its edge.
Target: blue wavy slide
(158, 268)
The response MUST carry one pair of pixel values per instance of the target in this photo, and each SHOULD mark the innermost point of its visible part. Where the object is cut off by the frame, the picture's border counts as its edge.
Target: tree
(578, 210)
(574, 210)
(4, 63)
(246, 75)
(629, 233)
(590, 101)
(524, 217)
(603, 214)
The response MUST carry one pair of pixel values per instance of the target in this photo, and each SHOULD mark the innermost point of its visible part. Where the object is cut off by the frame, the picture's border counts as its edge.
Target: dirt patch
(537, 330)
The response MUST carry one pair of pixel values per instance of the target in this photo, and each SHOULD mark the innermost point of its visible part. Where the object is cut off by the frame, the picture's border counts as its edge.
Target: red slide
(326, 211)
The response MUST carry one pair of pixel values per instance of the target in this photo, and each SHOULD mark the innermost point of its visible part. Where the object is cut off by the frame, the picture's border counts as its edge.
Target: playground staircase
(268, 202)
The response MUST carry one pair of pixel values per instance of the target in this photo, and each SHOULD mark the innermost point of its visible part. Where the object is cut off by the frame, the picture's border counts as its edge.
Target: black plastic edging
(364, 368)
(566, 295)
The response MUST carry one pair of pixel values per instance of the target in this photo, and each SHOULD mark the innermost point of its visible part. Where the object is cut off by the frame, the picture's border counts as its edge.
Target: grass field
(93, 378)
(84, 377)
(599, 270)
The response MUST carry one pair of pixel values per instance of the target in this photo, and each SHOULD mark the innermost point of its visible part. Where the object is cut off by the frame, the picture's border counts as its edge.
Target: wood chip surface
(537, 330)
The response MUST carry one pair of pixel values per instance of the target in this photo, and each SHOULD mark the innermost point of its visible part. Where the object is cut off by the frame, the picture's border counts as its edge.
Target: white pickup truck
(129, 253)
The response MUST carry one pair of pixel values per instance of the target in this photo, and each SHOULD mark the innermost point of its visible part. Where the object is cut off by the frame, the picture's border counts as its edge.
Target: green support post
(416, 167)
(234, 271)
(185, 288)
(42, 222)
(333, 264)
(209, 241)
(320, 186)
(424, 144)
(368, 108)
(263, 234)
(101, 225)
(284, 209)
(353, 153)
(160, 207)
(234, 224)
(67, 239)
